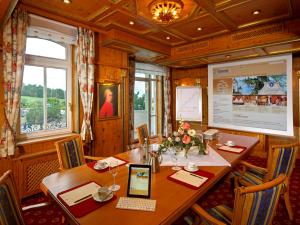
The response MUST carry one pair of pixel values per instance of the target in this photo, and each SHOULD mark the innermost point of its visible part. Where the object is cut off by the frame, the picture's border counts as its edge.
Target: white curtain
(85, 74)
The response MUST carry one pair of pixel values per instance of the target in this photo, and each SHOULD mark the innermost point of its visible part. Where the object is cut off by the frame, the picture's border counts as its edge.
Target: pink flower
(186, 126)
(186, 139)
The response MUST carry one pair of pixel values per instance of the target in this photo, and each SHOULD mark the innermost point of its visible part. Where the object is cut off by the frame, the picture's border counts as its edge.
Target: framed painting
(108, 101)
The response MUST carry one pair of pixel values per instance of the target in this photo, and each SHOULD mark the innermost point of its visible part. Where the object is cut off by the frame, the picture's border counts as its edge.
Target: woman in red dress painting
(107, 107)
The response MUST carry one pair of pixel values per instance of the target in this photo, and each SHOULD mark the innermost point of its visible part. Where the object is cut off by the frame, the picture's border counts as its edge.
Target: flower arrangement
(184, 139)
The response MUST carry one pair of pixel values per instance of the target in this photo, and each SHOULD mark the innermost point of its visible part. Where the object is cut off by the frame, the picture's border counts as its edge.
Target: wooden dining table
(172, 199)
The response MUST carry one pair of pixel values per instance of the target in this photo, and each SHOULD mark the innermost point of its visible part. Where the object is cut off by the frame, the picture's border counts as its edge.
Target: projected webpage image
(252, 96)
(139, 181)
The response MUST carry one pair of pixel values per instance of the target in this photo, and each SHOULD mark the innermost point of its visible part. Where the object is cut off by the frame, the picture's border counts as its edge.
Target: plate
(191, 170)
(100, 165)
(97, 199)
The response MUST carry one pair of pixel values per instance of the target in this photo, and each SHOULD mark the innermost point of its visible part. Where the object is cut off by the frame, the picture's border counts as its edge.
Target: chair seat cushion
(251, 176)
(222, 213)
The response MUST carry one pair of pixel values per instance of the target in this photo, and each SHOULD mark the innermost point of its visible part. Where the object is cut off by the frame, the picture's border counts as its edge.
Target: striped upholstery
(252, 176)
(222, 213)
(258, 207)
(73, 155)
(283, 162)
(8, 209)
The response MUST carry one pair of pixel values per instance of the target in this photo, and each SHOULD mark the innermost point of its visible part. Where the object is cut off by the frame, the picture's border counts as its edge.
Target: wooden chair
(10, 209)
(70, 153)
(252, 205)
(281, 159)
(142, 132)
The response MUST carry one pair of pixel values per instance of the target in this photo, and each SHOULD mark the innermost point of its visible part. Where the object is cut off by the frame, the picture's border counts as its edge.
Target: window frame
(149, 80)
(47, 62)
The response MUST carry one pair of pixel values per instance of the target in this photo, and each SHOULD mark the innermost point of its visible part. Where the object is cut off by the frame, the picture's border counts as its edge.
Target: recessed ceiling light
(199, 28)
(227, 56)
(131, 22)
(168, 38)
(67, 1)
(256, 12)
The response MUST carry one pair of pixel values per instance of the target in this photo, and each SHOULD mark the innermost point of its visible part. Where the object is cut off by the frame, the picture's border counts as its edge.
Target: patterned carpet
(220, 194)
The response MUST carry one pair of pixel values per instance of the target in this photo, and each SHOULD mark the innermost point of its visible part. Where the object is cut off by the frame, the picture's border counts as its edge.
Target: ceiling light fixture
(165, 11)
(256, 12)
(227, 56)
(131, 22)
(168, 38)
(199, 28)
(67, 1)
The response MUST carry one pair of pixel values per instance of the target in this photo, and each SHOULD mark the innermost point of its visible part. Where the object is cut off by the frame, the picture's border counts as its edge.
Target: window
(147, 105)
(46, 88)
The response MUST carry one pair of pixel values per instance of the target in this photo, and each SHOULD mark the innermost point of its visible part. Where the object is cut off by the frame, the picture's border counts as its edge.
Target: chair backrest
(10, 212)
(281, 159)
(257, 204)
(142, 132)
(70, 152)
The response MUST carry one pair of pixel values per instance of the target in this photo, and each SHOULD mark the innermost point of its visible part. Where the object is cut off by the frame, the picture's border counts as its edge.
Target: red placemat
(91, 165)
(199, 172)
(236, 146)
(85, 207)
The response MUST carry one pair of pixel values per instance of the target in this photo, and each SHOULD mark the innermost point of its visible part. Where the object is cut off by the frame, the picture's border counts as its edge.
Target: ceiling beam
(73, 22)
(133, 40)
(220, 17)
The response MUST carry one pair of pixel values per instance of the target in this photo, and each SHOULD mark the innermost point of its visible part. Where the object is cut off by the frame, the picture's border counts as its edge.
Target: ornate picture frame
(108, 101)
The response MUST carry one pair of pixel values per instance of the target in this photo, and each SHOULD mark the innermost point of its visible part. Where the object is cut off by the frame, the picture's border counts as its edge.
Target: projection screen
(252, 95)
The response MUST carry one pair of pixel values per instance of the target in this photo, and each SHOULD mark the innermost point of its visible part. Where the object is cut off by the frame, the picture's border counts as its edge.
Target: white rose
(175, 134)
(177, 139)
(169, 139)
(192, 132)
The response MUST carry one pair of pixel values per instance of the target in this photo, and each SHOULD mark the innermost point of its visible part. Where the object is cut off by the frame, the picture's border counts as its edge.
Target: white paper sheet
(188, 178)
(72, 196)
(212, 159)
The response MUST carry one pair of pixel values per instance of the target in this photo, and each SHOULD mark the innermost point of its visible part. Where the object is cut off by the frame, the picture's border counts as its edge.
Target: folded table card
(80, 194)
(113, 160)
(234, 149)
(189, 178)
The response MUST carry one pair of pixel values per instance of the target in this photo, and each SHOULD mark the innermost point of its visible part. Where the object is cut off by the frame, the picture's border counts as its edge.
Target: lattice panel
(37, 171)
(258, 32)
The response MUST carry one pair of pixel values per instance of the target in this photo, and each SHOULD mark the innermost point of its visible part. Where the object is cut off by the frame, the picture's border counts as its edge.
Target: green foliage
(139, 101)
(38, 91)
(54, 106)
(35, 114)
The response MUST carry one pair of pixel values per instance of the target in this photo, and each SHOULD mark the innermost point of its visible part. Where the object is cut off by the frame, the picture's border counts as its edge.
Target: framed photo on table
(108, 100)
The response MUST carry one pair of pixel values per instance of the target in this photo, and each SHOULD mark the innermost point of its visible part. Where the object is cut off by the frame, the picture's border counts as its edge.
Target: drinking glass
(114, 169)
(174, 156)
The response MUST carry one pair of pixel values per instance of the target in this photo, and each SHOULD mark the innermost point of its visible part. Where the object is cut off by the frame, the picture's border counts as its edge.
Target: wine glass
(174, 158)
(114, 169)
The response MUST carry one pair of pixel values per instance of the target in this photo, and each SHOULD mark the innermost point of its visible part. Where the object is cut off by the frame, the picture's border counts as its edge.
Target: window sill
(43, 139)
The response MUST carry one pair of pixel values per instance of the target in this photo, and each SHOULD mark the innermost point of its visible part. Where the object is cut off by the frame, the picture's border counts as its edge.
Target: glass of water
(174, 156)
(114, 169)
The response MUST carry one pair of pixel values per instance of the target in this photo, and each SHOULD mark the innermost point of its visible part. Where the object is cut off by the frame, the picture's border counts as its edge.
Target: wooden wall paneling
(111, 67)
(296, 79)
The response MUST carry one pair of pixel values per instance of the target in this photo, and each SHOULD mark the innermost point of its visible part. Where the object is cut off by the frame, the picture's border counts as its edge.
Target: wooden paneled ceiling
(200, 21)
